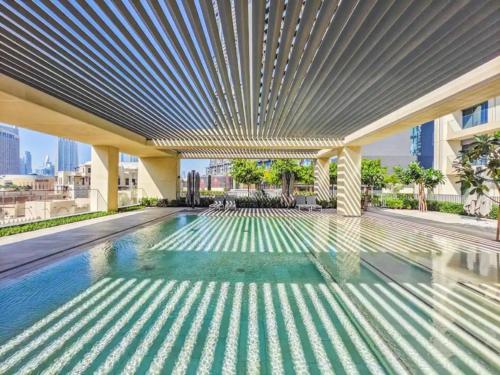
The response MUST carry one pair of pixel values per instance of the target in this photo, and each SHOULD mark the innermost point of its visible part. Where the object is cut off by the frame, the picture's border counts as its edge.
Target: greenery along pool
(280, 293)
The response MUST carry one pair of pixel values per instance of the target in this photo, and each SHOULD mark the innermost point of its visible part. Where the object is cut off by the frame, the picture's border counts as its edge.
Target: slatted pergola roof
(305, 72)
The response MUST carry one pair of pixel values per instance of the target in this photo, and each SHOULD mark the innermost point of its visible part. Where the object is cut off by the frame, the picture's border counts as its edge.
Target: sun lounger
(300, 202)
(230, 203)
(311, 203)
(218, 203)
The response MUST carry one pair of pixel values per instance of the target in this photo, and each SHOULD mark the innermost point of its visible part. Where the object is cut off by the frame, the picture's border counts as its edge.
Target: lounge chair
(311, 203)
(230, 203)
(300, 202)
(218, 203)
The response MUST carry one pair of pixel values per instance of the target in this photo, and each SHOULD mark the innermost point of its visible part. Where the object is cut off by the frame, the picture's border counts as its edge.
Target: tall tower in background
(9, 150)
(26, 167)
(67, 155)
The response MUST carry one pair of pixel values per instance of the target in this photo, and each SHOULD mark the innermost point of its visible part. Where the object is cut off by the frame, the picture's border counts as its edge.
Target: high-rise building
(47, 169)
(26, 163)
(422, 144)
(126, 158)
(9, 150)
(67, 155)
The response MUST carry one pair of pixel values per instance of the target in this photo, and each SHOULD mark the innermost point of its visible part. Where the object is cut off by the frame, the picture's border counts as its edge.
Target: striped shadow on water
(159, 326)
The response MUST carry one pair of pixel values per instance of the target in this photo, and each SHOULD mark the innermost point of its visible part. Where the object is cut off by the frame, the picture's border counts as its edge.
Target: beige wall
(157, 177)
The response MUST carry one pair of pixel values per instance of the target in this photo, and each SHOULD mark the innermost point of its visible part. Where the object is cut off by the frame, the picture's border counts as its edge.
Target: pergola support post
(322, 178)
(349, 181)
(158, 177)
(104, 179)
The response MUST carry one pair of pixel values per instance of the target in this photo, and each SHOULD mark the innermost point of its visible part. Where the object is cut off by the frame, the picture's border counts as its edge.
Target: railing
(451, 198)
(130, 197)
(18, 207)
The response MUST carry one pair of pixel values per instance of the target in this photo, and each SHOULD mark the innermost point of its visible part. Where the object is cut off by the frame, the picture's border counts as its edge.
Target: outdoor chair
(218, 203)
(300, 202)
(230, 203)
(311, 203)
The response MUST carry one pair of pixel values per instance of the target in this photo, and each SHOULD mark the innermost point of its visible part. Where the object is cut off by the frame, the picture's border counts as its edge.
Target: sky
(41, 144)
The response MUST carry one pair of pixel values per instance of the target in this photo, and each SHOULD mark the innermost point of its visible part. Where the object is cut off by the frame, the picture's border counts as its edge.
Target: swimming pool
(260, 292)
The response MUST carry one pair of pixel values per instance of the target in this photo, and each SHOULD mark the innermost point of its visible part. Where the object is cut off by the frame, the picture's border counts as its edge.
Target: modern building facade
(218, 167)
(9, 150)
(422, 144)
(455, 131)
(67, 155)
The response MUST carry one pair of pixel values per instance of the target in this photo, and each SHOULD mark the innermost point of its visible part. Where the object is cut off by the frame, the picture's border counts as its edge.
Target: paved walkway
(30, 250)
(484, 228)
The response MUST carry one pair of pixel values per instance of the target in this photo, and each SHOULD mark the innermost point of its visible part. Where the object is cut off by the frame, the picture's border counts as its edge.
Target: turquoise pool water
(280, 293)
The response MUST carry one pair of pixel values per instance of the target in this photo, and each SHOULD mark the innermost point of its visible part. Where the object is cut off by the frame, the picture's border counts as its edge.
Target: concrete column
(349, 181)
(104, 178)
(158, 177)
(322, 178)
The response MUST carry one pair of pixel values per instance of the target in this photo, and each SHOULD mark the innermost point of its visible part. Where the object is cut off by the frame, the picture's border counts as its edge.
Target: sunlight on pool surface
(260, 292)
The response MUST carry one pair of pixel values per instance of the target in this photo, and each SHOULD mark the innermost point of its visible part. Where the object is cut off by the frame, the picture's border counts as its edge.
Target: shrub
(448, 207)
(409, 201)
(252, 202)
(21, 228)
(494, 212)
(212, 193)
(162, 203)
(394, 202)
(149, 201)
(332, 203)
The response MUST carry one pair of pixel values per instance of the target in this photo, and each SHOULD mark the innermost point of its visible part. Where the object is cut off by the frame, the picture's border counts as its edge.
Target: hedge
(408, 201)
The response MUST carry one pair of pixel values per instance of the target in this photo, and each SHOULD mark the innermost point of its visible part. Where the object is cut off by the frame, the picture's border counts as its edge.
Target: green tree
(305, 174)
(246, 172)
(280, 166)
(393, 182)
(478, 168)
(424, 179)
(373, 174)
(333, 173)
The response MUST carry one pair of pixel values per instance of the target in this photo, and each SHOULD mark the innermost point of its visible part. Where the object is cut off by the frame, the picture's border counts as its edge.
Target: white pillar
(322, 178)
(158, 177)
(104, 178)
(349, 181)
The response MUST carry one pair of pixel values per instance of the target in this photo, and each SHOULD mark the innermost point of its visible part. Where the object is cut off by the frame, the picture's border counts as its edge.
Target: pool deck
(21, 253)
(483, 228)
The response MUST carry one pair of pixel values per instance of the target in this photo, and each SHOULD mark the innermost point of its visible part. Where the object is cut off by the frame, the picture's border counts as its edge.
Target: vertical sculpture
(189, 192)
(196, 189)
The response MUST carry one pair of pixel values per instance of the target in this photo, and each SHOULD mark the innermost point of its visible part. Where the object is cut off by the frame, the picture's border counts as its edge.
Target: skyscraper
(67, 155)
(26, 163)
(47, 168)
(9, 150)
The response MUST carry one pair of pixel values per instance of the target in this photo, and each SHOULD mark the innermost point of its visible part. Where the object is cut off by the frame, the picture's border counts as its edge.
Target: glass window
(475, 115)
(127, 181)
